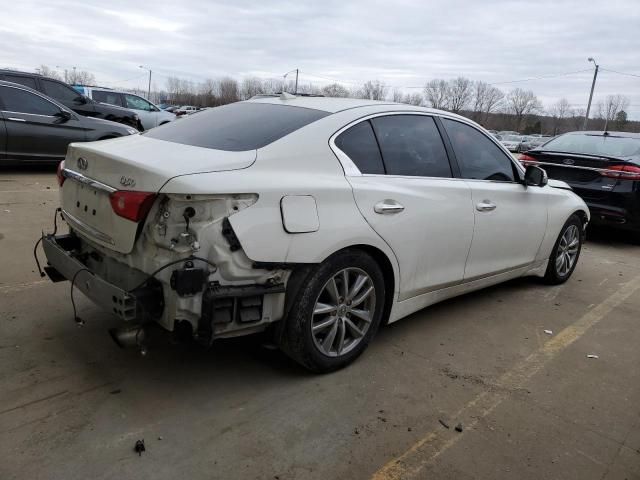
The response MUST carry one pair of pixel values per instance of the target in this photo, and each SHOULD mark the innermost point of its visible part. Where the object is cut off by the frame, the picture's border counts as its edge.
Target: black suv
(70, 98)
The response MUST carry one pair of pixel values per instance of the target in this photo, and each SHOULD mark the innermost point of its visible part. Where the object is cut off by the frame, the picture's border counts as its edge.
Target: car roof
(332, 104)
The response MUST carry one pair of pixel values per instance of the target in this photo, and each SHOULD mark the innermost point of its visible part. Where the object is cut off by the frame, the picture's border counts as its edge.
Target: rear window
(610, 146)
(238, 126)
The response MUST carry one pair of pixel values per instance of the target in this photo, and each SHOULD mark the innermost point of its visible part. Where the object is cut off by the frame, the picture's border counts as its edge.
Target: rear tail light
(59, 173)
(527, 160)
(622, 172)
(133, 206)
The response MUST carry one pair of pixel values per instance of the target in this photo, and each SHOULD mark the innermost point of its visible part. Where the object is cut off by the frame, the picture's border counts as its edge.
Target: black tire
(555, 275)
(297, 339)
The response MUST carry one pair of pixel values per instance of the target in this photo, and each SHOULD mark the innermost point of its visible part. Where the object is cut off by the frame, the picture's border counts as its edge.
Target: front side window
(21, 101)
(359, 144)
(60, 92)
(136, 103)
(111, 98)
(411, 145)
(478, 157)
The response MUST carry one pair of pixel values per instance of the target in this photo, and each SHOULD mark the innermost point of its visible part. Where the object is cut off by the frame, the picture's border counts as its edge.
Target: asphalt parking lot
(531, 405)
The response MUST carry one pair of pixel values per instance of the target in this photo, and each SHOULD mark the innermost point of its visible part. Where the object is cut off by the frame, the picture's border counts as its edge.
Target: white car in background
(187, 110)
(318, 218)
(150, 115)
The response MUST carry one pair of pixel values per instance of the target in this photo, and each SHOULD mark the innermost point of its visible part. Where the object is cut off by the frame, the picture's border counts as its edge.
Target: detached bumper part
(60, 252)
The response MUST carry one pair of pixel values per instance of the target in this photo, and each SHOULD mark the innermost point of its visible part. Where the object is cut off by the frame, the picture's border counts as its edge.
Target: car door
(144, 109)
(34, 128)
(510, 219)
(404, 187)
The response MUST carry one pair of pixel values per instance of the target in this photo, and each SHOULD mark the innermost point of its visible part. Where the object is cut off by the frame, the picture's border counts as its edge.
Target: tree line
(518, 109)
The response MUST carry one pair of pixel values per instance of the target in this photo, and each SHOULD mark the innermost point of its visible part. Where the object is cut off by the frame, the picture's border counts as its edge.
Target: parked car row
(150, 115)
(70, 98)
(37, 128)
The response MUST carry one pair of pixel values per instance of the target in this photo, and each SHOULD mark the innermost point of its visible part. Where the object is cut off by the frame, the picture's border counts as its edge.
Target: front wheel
(566, 251)
(336, 313)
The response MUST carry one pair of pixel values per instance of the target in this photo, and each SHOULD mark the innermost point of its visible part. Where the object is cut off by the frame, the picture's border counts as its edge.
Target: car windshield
(238, 126)
(607, 145)
(510, 138)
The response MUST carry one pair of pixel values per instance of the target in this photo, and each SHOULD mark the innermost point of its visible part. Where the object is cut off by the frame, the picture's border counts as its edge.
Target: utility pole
(296, 90)
(284, 80)
(593, 85)
(149, 88)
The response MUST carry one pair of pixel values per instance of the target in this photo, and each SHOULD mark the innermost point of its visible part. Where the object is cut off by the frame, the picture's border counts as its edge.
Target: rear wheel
(566, 251)
(336, 313)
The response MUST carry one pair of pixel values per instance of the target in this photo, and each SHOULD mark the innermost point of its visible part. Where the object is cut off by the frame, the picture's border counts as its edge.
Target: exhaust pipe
(127, 337)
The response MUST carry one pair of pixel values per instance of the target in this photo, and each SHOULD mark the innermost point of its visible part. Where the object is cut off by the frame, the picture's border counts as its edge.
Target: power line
(542, 77)
(621, 73)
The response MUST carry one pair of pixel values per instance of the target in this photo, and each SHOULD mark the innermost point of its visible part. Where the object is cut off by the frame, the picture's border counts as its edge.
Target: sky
(402, 43)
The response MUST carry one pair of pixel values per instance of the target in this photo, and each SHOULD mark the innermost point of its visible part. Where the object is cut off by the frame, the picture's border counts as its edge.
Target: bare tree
(228, 91)
(559, 111)
(45, 71)
(460, 92)
(577, 117)
(250, 87)
(79, 77)
(436, 94)
(373, 90)
(486, 99)
(611, 106)
(521, 103)
(397, 95)
(413, 99)
(335, 90)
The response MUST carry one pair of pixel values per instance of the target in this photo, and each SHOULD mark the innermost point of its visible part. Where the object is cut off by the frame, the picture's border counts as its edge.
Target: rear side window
(26, 81)
(238, 126)
(111, 98)
(478, 157)
(136, 103)
(59, 91)
(595, 145)
(360, 145)
(21, 101)
(411, 145)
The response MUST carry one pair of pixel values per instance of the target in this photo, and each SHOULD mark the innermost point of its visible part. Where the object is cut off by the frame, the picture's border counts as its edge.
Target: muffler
(127, 337)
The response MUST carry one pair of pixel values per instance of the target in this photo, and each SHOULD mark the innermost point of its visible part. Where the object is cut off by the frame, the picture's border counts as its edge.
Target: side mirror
(63, 115)
(80, 100)
(535, 177)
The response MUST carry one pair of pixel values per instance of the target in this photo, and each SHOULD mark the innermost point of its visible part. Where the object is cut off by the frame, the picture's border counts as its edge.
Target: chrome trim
(14, 119)
(78, 177)
(92, 232)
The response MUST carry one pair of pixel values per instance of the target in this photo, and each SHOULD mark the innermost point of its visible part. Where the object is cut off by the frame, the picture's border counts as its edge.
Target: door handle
(14, 119)
(388, 206)
(485, 206)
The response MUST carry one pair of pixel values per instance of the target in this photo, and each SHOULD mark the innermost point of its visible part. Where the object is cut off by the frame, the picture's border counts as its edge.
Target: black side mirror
(80, 100)
(63, 115)
(535, 177)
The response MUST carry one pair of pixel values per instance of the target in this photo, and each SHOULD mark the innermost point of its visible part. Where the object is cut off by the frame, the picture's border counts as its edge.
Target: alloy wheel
(343, 312)
(567, 250)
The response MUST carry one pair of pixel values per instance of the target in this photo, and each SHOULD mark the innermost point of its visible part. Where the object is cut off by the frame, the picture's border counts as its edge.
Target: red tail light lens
(133, 206)
(622, 172)
(527, 160)
(59, 174)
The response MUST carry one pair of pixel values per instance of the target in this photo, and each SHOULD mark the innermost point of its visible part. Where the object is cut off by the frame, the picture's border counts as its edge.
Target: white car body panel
(439, 246)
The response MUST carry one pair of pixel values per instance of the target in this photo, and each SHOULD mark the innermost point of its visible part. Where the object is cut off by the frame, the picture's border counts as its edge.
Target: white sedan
(320, 219)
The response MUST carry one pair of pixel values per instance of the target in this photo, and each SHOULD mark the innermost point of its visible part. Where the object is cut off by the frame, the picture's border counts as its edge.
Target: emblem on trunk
(127, 181)
(568, 161)
(82, 163)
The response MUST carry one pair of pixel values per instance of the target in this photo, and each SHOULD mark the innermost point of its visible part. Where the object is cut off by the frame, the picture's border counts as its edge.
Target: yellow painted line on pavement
(427, 449)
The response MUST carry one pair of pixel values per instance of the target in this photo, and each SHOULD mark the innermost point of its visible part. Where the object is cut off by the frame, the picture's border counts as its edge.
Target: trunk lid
(95, 170)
